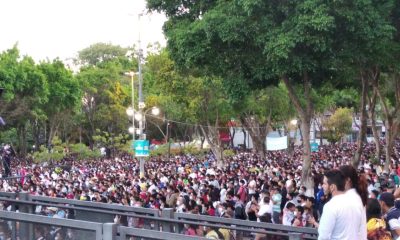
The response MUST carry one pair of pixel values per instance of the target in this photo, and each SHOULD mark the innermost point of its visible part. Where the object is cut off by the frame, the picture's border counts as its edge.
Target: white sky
(60, 28)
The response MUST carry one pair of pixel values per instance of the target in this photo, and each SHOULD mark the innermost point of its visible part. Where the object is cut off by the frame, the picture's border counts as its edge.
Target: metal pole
(133, 107)
(141, 102)
(167, 140)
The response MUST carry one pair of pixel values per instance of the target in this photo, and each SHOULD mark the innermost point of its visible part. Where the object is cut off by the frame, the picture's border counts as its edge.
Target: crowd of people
(246, 187)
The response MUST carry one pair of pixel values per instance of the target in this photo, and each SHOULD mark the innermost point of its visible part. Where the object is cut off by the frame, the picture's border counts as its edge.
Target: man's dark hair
(336, 177)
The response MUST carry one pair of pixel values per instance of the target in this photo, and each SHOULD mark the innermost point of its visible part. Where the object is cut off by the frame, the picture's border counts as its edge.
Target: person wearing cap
(391, 214)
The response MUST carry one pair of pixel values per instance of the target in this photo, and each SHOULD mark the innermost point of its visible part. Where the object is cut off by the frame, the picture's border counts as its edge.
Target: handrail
(245, 223)
(124, 231)
(168, 218)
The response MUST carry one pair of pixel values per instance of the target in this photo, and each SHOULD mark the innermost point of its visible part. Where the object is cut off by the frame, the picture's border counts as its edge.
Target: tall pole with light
(142, 136)
(131, 110)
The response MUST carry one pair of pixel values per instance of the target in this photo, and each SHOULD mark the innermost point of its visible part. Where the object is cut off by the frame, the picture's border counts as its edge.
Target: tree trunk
(258, 132)
(54, 125)
(372, 116)
(244, 138)
(389, 142)
(392, 126)
(307, 179)
(212, 136)
(363, 127)
(305, 114)
(22, 140)
(36, 134)
(232, 136)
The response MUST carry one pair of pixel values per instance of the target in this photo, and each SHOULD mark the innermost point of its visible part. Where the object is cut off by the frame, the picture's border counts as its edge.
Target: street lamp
(140, 116)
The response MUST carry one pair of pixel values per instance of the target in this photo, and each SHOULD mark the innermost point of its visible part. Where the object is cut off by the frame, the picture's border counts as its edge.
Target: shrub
(228, 153)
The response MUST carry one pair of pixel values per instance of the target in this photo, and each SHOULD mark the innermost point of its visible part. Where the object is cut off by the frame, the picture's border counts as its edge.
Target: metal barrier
(249, 226)
(28, 220)
(166, 221)
(134, 232)
(89, 210)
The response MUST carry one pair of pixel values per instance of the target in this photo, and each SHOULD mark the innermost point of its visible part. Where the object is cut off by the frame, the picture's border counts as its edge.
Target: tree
(253, 44)
(26, 89)
(391, 110)
(105, 92)
(99, 53)
(189, 97)
(64, 95)
(339, 124)
(263, 109)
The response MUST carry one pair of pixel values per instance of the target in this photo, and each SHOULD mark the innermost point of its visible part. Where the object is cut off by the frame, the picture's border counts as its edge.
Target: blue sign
(314, 147)
(141, 148)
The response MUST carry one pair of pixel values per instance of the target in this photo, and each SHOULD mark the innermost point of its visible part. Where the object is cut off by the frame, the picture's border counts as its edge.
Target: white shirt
(355, 199)
(264, 208)
(252, 186)
(342, 219)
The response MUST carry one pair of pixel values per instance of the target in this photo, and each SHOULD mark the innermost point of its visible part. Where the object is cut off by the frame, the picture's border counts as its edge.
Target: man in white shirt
(339, 220)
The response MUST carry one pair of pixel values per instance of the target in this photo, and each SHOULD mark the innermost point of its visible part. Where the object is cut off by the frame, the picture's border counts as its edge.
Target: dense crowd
(246, 187)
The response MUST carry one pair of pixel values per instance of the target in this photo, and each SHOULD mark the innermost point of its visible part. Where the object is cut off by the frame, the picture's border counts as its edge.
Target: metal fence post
(26, 229)
(167, 213)
(109, 231)
(295, 236)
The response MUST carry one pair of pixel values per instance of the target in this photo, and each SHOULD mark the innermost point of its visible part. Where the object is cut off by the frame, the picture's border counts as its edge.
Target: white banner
(277, 143)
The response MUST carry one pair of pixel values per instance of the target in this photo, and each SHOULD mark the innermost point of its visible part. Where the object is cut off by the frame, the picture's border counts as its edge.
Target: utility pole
(142, 136)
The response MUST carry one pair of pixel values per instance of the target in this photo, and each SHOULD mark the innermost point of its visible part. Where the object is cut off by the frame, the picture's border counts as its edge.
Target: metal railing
(163, 222)
(27, 222)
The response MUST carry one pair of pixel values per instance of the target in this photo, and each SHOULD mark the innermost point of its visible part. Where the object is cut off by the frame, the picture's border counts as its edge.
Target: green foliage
(191, 149)
(162, 150)
(116, 143)
(56, 153)
(81, 151)
(8, 136)
(339, 124)
(229, 153)
(100, 53)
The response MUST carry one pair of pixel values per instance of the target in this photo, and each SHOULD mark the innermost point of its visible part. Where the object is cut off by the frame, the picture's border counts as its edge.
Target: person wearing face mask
(298, 217)
(288, 214)
(180, 205)
(172, 197)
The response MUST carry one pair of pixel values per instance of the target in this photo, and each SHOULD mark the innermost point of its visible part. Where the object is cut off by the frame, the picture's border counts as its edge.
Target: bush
(191, 149)
(44, 155)
(81, 151)
(228, 153)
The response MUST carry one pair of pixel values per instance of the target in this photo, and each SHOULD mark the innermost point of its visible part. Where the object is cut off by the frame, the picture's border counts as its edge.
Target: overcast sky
(60, 28)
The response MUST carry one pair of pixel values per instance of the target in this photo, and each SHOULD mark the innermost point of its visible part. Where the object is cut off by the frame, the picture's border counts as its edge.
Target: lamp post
(131, 110)
(142, 136)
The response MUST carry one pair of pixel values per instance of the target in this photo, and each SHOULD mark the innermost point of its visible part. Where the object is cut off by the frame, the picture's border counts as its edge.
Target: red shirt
(211, 212)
